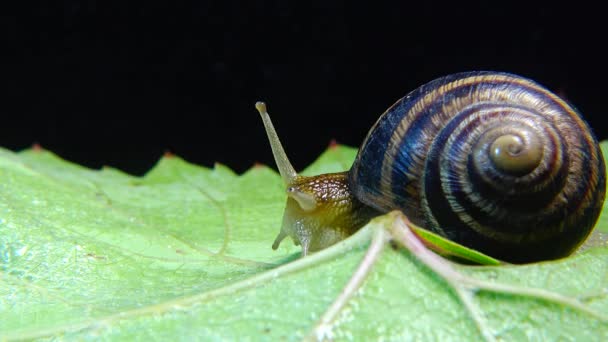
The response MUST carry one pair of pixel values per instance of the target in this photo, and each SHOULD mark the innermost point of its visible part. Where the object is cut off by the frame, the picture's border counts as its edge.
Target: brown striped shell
(491, 160)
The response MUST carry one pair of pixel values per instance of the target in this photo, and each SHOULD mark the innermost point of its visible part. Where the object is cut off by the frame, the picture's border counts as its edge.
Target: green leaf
(451, 249)
(184, 253)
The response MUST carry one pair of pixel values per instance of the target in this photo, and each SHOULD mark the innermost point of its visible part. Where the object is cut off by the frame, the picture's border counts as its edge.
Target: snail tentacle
(280, 157)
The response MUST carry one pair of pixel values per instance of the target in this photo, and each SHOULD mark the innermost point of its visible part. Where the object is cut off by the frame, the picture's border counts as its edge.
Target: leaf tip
(333, 144)
(168, 154)
(36, 147)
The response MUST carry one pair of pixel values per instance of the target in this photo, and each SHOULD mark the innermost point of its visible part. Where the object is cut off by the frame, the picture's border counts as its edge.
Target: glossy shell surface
(491, 160)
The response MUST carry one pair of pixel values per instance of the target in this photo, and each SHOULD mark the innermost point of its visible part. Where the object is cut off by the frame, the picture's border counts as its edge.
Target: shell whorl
(490, 160)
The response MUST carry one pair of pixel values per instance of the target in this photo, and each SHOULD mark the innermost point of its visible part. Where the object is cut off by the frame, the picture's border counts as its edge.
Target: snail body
(490, 160)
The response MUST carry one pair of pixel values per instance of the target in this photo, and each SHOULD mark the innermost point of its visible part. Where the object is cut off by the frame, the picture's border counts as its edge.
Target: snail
(490, 160)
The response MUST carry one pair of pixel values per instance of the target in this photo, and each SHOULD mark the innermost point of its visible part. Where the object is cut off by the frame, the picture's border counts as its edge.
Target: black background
(119, 84)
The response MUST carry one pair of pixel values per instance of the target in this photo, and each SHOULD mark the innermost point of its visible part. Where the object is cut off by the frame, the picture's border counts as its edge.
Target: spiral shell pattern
(491, 160)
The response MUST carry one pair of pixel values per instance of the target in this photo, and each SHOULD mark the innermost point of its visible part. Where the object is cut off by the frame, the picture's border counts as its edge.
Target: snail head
(320, 210)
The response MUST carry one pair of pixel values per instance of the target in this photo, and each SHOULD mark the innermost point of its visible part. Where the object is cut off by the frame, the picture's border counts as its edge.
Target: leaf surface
(184, 252)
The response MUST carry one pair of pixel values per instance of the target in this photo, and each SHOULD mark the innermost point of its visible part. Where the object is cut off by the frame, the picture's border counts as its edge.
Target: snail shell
(490, 160)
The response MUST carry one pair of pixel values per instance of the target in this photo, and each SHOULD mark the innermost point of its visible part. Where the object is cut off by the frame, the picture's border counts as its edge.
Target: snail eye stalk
(287, 171)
